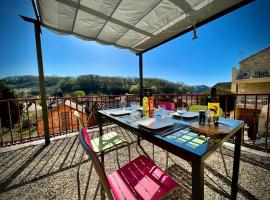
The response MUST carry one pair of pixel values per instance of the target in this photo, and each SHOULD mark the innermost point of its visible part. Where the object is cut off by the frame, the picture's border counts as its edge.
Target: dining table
(171, 131)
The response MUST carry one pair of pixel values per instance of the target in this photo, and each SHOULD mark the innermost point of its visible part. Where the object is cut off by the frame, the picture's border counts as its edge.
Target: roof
(255, 54)
(135, 25)
(223, 85)
(32, 107)
(68, 103)
(54, 107)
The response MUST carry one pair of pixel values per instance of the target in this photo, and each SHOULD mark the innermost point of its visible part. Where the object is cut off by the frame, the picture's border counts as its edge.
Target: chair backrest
(87, 146)
(196, 108)
(93, 117)
(168, 105)
(81, 123)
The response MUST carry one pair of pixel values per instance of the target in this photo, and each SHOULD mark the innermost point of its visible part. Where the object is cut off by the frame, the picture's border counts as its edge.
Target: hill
(200, 89)
(28, 86)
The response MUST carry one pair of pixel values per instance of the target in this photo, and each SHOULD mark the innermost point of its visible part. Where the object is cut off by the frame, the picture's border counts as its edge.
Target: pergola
(138, 26)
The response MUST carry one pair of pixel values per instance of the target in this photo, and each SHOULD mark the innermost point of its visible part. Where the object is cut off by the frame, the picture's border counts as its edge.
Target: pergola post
(141, 77)
(41, 78)
(141, 86)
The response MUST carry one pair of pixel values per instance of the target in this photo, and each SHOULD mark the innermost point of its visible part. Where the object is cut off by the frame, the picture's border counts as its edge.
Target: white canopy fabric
(137, 25)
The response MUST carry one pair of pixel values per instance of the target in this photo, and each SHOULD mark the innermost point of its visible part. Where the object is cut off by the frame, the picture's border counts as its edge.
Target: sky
(206, 60)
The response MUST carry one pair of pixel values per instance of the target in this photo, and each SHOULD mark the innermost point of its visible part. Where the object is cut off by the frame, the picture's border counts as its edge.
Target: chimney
(234, 73)
(234, 76)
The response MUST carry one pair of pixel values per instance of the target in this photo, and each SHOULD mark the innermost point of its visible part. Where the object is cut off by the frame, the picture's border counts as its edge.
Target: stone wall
(254, 88)
(234, 75)
(258, 61)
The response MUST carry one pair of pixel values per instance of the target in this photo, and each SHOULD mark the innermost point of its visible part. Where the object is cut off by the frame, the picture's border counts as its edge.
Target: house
(61, 118)
(32, 107)
(223, 87)
(253, 76)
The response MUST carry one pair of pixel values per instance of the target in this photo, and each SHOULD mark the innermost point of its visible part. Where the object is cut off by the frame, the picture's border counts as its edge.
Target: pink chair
(138, 179)
(168, 105)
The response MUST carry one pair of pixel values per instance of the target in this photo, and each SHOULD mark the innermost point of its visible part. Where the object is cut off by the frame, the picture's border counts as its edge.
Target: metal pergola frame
(37, 26)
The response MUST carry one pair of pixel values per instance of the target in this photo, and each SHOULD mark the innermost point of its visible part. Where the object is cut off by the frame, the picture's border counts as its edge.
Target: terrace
(40, 151)
(61, 171)
(29, 126)
(44, 171)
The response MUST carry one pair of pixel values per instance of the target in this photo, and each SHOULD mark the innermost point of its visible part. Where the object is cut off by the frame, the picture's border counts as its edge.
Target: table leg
(139, 140)
(236, 163)
(198, 179)
(100, 124)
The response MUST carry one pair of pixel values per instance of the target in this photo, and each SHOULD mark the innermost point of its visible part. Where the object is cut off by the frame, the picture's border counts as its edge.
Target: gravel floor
(61, 171)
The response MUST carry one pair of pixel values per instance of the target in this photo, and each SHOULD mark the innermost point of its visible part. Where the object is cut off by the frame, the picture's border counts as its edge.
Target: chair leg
(167, 160)
(153, 153)
(116, 151)
(88, 180)
(97, 188)
(90, 171)
(128, 152)
(223, 159)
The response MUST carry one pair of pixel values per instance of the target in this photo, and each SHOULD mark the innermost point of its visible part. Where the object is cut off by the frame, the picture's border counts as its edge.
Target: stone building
(253, 76)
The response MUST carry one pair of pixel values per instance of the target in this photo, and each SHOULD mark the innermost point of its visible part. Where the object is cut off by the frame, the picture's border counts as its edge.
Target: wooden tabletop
(224, 126)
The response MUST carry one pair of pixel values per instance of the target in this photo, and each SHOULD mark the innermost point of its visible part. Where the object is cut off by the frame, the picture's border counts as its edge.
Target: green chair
(108, 141)
(196, 108)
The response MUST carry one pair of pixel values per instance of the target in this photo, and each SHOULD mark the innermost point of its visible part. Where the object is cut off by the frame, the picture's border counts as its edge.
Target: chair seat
(140, 179)
(107, 141)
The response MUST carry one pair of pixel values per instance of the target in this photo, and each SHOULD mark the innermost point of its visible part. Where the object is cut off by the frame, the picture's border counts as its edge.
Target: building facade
(253, 76)
(61, 118)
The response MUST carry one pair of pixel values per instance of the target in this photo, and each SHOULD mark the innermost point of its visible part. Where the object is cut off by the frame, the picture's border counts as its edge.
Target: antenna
(195, 36)
(241, 55)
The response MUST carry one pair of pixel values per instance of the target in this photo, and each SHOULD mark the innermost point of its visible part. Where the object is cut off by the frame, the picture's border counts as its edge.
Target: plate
(119, 112)
(154, 123)
(140, 108)
(186, 114)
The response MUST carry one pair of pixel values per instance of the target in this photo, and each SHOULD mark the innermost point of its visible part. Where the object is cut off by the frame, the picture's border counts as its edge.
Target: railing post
(267, 121)
(141, 77)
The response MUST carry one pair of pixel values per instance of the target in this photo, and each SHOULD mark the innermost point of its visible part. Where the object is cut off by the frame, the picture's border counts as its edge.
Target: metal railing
(21, 119)
(252, 74)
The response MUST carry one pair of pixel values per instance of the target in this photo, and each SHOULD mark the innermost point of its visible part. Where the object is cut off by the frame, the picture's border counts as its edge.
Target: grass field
(16, 135)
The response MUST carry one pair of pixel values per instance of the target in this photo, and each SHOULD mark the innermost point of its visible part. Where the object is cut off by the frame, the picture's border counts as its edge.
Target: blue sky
(194, 62)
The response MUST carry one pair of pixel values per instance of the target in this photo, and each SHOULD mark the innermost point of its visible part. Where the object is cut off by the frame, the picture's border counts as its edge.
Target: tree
(8, 93)
(79, 93)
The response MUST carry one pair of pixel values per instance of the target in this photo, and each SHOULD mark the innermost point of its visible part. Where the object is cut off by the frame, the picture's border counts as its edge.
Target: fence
(21, 119)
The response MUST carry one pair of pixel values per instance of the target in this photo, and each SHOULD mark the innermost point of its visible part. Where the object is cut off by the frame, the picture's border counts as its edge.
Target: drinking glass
(133, 105)
(162, 108)
(137, 105)
(181, 110)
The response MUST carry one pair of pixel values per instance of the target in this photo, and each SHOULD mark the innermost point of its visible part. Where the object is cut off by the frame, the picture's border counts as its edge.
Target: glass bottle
(213, 107)
(145, 106)
(151, 105)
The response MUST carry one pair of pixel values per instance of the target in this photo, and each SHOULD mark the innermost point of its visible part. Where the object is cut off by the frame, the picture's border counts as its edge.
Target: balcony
(253, 76)
(22, 122)
(61, 170)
